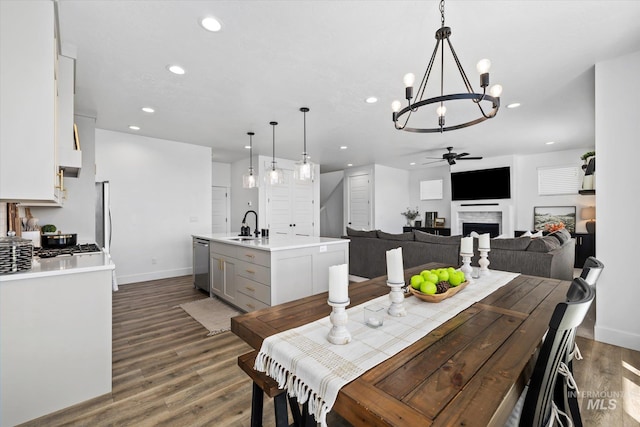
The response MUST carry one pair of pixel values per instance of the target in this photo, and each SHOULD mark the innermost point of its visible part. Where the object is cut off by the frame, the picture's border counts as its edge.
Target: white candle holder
(396, 295)
(483, 262)
(466, 266)
(339, 334)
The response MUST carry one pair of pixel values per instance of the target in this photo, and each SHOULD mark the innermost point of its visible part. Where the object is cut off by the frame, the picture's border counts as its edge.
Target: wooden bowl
(439, 297)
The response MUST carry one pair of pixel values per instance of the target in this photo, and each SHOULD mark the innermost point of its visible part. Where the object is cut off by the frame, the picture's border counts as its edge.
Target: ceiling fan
(451, 157)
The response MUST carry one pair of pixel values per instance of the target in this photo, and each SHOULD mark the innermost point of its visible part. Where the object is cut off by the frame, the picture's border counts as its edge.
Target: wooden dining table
(469, 371)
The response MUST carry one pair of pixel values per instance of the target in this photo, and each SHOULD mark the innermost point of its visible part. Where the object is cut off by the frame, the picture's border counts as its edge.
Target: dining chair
(536, 405)
(566, 399)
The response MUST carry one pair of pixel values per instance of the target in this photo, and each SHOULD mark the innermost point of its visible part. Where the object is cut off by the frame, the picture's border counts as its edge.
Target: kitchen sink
(241, 238)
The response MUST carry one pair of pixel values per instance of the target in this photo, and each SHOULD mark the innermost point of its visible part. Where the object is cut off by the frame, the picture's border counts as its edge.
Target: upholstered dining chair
(566, 399)
(536, 406)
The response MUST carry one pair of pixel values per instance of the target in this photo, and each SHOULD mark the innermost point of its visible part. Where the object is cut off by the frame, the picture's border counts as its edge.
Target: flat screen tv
(481, 184)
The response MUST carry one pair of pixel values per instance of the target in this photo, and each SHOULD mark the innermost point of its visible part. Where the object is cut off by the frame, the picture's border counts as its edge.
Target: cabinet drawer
(255, 272)
(254, 289)
(249, 304)
(222, 249)
(254, 256)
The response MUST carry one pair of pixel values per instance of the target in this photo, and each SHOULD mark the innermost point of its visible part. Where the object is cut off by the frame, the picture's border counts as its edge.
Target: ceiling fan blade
(470, 158)
(462, 155)
(428, 163)
(434, 158)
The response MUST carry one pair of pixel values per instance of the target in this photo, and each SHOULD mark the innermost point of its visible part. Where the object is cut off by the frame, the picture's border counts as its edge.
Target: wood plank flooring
(167, 372)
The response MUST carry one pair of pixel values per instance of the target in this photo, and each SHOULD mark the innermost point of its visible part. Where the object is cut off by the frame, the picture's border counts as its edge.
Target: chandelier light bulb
(483, 66)
(441, 111)
(409, 79)
(496, 91)
(395, 106)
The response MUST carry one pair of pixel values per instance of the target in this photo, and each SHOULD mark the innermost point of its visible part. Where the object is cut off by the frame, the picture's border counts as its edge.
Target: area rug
(211, 313)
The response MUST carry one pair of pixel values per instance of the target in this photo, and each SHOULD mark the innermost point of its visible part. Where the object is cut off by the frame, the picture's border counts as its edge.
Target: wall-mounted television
(481, 184)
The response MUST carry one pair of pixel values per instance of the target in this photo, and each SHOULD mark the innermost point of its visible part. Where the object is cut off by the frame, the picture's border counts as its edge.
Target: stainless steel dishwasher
(201, 264)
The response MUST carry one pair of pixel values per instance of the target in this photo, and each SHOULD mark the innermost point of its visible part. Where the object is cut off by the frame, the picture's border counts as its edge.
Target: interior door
(359, 204)
(219, 210)
(279, 219)
(302, 209)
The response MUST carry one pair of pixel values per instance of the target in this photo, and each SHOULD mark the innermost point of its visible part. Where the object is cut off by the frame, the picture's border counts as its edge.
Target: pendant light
(304, 170)
(275, 175)
(249, 179)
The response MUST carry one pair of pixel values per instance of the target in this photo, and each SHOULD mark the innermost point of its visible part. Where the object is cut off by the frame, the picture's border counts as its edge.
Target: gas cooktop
(70, 250)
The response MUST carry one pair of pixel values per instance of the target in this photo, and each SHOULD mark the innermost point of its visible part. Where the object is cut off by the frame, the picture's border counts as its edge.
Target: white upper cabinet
(69, 154)
(28, 72)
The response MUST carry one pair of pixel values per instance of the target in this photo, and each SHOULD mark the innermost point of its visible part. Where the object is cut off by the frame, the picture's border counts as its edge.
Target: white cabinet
(223, 272)
(28, 48)
(69, 157)
(290, 207)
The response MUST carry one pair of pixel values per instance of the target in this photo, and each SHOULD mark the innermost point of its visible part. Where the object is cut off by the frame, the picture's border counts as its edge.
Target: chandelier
(492, 98)
(275, 174)
(249, 179)
(304, 168)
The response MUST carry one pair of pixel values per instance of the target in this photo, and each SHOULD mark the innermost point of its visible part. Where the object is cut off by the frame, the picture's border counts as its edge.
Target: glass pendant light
(304, 170)
(274, 175)
(249, 179)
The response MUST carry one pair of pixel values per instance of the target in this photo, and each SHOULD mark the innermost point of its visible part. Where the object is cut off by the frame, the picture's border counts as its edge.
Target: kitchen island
(254, 273)
(55, 335)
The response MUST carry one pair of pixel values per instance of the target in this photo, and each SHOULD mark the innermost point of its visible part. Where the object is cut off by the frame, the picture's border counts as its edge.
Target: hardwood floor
(168, 372)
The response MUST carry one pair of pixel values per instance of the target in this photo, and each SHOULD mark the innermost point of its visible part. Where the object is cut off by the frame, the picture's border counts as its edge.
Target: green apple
(425, 274)
(455, 279)
(416, 281)
(433, 278)
(451, 270)
(428, 288)
(443, 276)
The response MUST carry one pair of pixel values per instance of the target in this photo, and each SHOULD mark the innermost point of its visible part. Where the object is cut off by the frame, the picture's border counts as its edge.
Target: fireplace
(481, 228)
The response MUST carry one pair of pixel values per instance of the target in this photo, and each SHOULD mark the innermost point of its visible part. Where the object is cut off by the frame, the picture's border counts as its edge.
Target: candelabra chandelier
(304, 170)
(492, 98)
(275, 174)
(249, 179)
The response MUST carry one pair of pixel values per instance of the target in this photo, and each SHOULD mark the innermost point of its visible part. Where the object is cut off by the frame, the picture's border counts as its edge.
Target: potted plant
(586, 157)
(410, 215)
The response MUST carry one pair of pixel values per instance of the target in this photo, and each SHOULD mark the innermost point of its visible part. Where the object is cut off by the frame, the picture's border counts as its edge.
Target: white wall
(160, 196)
(220, 174)
(617, 152)
(443, 206)
(78, 212)
(244, 199)
(391, 196)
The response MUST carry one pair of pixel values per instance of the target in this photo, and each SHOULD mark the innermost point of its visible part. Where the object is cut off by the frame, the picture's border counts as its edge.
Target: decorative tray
(439, 297)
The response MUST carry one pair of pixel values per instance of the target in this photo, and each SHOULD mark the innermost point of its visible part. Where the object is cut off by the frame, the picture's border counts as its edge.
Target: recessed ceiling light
(148, 109)
(349, 164)
(176, 69)
(134, 127)
(247, 147)
(211, 24)
(550, 142)
(412, 164)
(513, 105)
(371, 100)
(343, 147)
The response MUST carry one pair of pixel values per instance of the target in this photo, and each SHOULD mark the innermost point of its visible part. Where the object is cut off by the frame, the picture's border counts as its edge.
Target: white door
(279, 207)
(302, 209)
(219, 210)
(359, 205)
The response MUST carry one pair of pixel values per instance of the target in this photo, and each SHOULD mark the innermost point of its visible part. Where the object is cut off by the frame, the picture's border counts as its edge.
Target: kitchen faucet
(244, 220)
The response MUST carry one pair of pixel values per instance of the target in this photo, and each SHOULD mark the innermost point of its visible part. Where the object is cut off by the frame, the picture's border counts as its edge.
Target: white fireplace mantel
(500, 211)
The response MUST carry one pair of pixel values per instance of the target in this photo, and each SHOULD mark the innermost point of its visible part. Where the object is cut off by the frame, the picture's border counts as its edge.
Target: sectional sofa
(548, 256)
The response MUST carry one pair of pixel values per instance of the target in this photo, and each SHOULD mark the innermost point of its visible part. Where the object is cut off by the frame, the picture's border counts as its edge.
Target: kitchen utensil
(24, 223)
(32, 224)
(59, 240)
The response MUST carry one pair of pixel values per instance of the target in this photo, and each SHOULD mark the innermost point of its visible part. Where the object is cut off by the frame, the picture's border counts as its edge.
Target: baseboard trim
(153, 275)
(617, 337)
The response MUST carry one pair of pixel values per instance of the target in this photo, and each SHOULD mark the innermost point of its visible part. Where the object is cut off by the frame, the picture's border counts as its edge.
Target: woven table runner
(312, 369)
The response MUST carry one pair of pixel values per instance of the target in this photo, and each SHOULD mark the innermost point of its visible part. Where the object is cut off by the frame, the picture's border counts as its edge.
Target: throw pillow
(562, 235)
(512, 244)
(361, 233)
(526, 234)
(421, 236)
(537, 235)
(388, 236)
(544, 244)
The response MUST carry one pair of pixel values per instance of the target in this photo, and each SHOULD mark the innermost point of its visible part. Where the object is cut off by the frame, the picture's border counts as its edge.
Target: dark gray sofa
(549, 256)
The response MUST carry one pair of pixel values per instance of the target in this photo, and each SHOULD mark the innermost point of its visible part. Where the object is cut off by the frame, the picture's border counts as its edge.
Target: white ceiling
(273, 57)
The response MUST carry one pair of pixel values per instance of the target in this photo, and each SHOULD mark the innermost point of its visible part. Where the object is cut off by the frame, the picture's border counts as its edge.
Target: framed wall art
(551, 218)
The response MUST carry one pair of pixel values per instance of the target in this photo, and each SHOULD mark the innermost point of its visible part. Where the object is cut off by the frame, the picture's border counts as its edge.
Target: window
(559, 180)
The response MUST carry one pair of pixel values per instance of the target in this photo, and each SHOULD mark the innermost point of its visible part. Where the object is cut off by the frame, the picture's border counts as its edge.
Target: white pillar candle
(339, 283)
(483, 241)
(466, 245)
(395, 269)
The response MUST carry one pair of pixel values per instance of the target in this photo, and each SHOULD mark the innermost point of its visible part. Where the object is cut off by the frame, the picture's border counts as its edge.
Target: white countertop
(273, 243)
(60, 265)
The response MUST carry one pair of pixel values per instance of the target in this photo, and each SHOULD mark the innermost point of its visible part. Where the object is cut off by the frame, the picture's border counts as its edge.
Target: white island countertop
(60, 265)
(271, 243)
